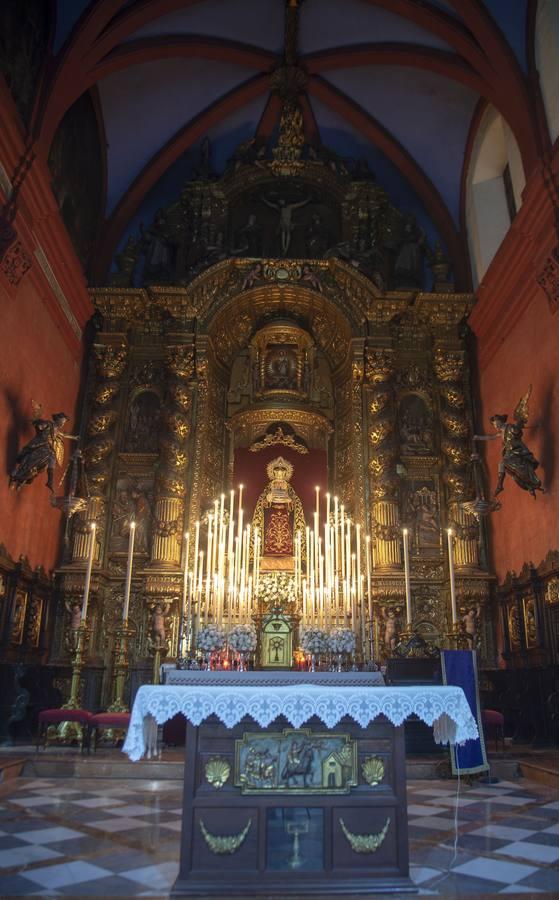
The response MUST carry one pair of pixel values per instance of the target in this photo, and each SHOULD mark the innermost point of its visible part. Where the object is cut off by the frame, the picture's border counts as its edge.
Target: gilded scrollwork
(379, 399)
(380, 431)
(101, 421)
(456, 453)
(453, 396)
(455, 424)
(448, 365)
(379, 366)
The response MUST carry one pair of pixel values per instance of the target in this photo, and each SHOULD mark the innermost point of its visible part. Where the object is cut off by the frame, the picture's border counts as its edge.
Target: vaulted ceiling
(398, 82)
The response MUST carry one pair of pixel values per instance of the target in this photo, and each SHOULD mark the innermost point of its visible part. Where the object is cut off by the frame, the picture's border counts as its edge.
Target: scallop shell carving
(217, 771)
(373, 770)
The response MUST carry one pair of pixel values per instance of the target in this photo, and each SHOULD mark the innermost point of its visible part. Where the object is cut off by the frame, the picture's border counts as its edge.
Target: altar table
(296, 788)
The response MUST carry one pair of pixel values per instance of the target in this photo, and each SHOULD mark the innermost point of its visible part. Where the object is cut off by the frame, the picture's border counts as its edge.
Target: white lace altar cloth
(444, 708)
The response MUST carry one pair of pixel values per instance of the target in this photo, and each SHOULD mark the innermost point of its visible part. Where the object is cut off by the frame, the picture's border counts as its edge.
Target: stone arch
(546, 47)
(331, 329)
(494, 185)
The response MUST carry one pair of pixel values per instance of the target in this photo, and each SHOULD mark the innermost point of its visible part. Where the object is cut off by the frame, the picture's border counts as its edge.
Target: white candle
(184, 592)
(131, 538)
(342, 544)
(230, 534)
(196, 549)
(369, 598)
(215, 538)
(453, 608)
(88, 572)
(240, 525)
(255, 555)
(407, 576)
(358, 547)
(200, 577)
(348, 563)
(336, 539)
(317, 489)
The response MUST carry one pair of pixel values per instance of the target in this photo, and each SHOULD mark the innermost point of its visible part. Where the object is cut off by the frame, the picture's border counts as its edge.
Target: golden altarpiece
(279, 308)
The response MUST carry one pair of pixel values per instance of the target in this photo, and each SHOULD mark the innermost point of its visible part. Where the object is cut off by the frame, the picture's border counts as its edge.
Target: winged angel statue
(44, 451)
(516, 459)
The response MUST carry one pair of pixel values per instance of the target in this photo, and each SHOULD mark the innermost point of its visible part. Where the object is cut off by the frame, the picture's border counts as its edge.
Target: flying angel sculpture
(516, 459)
(44, 451)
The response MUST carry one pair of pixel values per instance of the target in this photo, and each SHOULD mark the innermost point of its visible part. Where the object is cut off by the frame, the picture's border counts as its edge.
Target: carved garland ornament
(365, 843)
(228, 844)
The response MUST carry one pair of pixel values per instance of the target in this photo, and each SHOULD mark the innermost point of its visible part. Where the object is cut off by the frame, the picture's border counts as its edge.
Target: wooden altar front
(264, 831)
(294, 782)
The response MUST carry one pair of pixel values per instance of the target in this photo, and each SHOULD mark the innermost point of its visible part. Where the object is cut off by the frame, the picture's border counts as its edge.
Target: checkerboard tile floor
(80, 838)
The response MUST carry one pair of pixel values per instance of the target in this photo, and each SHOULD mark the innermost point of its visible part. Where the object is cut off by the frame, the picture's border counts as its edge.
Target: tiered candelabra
(225, 585)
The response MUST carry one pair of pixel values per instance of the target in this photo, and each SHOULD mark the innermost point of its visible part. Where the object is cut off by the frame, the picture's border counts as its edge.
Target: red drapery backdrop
(309, 470)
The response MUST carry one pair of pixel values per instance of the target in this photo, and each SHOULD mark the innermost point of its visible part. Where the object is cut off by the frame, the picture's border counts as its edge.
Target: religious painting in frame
(18, 617)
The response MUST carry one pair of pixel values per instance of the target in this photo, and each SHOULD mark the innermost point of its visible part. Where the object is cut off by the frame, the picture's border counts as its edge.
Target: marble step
(64, 763)
(11, 767)
(545, 771)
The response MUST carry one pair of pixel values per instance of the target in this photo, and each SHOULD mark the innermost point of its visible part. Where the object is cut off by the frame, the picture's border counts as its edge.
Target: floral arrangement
(277, 590)
(314, 640)
(341, 640)
(210, 638)
(242, 638)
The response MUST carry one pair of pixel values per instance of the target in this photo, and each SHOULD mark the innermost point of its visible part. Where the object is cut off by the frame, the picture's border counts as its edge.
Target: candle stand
(67, 732)
(407, 635)
(121, 664)
(456, 638)
(159, 651)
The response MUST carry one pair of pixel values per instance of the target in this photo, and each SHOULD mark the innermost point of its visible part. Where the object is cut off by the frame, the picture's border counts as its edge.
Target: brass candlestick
(121, 665)
(159, 650)
(456, 638)
(67, 732)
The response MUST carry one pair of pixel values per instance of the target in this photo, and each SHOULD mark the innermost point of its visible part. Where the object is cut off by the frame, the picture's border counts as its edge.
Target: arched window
(494, 189)
(547, 60)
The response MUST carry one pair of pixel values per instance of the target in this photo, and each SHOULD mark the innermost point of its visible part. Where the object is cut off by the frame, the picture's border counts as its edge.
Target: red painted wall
(42, 317)
(35, 364)
(518, 344)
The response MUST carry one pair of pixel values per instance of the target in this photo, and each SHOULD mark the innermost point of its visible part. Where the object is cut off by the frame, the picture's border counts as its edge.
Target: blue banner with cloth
(459, 669)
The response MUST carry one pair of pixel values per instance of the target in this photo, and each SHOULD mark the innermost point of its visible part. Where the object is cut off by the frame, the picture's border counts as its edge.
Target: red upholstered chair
(105, 720)
(49, 717)
(493, 726)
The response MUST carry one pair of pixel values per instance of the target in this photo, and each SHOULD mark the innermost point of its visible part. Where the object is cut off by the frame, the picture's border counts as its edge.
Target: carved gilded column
(171, 486)
(379, 369)
(110, 356)
(357, 375)
(201, 371)
(450, 371)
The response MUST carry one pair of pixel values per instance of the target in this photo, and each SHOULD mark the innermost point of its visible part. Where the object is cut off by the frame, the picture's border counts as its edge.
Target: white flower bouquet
(341, 640)
(277, 590)
(242, 638)
(314, 640)
(211, 638)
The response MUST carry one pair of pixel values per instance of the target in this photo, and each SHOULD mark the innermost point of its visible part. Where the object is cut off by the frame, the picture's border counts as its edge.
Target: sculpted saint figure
(278, 488)
(43, 451)
(516, 459)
